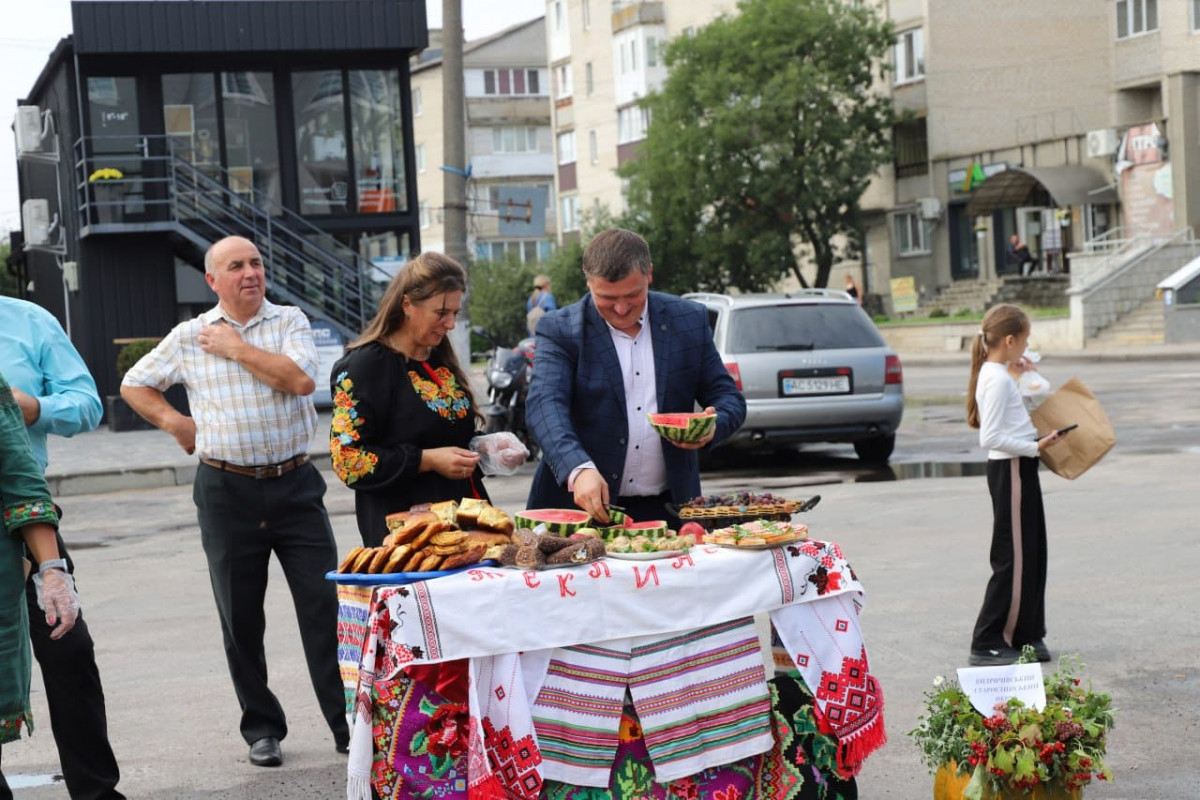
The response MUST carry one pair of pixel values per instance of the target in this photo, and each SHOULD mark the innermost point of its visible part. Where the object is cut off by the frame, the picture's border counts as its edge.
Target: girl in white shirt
(1014, 604)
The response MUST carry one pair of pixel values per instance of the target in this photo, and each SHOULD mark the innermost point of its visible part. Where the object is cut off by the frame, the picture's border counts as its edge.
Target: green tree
(762, 140)
(8, 280)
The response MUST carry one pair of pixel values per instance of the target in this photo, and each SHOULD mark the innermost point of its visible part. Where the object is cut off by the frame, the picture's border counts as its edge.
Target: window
(1195, 8)
(689, 31)
(321, 151)
(420, 158)
(510, 82)
(587, 14)
(593, 147)
(910, 148)
(570, 214)
(377, 136)
(910, 56)
(651, 51)
(631, 124)
(566, 147)
(559, 15)
(624, 57)
(633, 48)
(426, 218)
(563, 75)
(591, 85)
(514, 139)
(1140, 16)
(251, 147)
(418, 108)
(912, 234)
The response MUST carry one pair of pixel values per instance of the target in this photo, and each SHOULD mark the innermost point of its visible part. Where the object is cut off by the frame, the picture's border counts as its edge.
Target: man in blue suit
(601, 365)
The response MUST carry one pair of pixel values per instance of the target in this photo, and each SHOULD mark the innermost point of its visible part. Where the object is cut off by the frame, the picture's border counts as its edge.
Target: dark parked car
(813, 368)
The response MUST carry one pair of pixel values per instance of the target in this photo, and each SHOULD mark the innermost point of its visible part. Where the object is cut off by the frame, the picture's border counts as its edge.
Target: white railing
(1124, 256)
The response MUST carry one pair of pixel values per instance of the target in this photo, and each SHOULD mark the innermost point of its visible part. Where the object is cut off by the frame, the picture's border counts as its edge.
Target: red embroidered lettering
(531, 580)
(679, 561)
(563, 589)
(651, 574)
(480, 574)
(598, 567)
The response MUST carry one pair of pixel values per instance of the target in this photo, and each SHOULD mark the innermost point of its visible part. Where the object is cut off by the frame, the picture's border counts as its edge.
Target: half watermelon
(558, 521)
(685, 428)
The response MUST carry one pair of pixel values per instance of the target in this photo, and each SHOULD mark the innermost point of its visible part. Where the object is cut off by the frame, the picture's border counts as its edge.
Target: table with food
(540, 654)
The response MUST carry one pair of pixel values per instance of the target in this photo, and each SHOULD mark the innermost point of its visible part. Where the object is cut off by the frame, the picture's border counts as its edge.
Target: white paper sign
(987, 686)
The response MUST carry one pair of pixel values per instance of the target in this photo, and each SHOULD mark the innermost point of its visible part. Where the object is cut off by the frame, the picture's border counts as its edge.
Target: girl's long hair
(423, 277)
(1000, 321)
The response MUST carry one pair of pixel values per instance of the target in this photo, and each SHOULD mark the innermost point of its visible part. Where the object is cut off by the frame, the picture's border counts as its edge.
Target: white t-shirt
(1005, 428)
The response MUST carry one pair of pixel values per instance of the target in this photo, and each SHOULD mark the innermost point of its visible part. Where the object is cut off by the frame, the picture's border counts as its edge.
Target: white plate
(759, 546)
(651, 556)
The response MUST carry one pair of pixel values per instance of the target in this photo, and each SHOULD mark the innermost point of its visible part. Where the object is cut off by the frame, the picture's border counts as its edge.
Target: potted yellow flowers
(1017, 751)
(108, 194)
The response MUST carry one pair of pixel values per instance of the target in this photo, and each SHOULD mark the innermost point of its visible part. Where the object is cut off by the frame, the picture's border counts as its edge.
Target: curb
(150, 477)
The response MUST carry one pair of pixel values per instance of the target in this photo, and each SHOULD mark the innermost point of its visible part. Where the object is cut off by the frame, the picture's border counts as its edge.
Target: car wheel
(876, 450)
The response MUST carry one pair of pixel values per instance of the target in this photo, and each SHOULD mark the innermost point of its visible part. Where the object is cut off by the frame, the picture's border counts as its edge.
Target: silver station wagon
(813, 368)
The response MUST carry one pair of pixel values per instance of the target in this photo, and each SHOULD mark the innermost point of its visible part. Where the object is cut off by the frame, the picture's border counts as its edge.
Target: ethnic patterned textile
(801, 764)
(354, 606)
(701, 698)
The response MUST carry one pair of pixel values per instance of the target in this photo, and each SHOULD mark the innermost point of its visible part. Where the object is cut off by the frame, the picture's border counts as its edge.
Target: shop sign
(958, 177)
(330, 347)
(904, 294)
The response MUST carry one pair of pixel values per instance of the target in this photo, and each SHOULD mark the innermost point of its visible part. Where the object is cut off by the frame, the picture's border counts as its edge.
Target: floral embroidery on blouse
(349, 462)
(24, 513)
(446, 399)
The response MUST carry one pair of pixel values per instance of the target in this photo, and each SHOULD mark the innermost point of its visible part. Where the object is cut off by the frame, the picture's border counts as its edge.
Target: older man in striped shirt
(249, 366)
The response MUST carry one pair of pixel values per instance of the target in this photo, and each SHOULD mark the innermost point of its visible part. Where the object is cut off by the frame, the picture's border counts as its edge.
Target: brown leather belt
(267, 471)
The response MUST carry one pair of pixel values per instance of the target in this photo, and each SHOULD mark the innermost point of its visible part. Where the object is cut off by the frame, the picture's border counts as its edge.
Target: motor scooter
(508, 371)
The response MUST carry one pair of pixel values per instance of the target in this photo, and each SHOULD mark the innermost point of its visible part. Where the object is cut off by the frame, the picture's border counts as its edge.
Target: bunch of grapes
(737, 499)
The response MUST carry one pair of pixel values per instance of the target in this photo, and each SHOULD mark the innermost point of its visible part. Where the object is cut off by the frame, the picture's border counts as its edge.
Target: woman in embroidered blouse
(30, 522)
(403, 413)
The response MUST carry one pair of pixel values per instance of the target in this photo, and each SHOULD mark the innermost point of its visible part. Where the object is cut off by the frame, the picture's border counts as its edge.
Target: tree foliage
(761, 142)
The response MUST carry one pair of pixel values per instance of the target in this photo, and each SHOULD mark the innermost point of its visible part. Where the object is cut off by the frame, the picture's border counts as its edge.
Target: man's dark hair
(615, 253)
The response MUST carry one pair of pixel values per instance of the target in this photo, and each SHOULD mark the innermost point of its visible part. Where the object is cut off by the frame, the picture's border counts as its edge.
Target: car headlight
(499, 378)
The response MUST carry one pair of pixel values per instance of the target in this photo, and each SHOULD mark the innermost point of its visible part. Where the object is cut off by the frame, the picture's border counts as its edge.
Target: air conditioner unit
(35, 221)
(28, 127)
(1102, 143)
(931, 207)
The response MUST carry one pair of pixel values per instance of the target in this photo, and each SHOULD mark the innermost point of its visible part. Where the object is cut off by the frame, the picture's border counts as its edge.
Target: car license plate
(832, 384)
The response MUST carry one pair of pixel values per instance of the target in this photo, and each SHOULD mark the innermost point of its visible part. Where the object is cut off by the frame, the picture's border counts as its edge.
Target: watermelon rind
(558, 521)
(651, 528)
(615, 518)
(699, 426)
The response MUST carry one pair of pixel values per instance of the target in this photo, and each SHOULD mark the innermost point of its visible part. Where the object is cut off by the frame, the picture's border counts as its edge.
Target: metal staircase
(306, 266)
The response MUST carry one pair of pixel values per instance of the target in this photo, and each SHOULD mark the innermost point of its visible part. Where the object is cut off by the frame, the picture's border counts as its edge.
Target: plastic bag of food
(499, 453)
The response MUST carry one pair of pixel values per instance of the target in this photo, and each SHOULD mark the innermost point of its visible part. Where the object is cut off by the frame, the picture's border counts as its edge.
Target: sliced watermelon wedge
(686, 428)
(558, 521)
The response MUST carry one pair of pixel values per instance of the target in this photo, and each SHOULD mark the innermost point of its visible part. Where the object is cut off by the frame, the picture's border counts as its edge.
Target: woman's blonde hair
(999, 322)
(423, 277)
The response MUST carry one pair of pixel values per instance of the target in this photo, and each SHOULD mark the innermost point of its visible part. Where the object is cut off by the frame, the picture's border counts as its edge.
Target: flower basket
(1017, 751)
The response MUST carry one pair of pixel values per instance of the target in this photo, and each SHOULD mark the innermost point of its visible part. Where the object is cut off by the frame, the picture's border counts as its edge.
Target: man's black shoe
(1043, 652)
(997, 657)
(266, 753)
(342, 746)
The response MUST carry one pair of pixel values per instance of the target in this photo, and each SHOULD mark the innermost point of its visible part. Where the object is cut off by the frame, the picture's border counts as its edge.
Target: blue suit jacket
(576, 403)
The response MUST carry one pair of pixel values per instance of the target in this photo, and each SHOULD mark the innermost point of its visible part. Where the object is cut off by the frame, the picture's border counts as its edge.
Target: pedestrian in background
(852, 288)
(56, 394)
(539, 303)
(249, 367)
(30, 526)
(1014, 603)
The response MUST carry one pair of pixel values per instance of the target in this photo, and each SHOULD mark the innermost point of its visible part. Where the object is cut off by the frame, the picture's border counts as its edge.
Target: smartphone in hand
(1067, 429)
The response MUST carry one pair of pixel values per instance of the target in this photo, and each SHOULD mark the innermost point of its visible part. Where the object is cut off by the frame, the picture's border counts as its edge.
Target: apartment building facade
(509, 146)
(1062, 123)
(604, 56)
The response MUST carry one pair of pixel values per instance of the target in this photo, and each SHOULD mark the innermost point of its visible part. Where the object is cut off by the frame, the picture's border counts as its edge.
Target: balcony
(630, 15)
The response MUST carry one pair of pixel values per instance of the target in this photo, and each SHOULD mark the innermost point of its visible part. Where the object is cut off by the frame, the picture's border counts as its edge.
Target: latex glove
(56, 596)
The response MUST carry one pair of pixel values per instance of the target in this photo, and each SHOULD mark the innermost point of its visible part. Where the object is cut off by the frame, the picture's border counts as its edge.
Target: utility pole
(454, 143)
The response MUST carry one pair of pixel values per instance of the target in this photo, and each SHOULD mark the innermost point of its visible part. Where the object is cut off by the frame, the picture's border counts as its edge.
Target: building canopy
(1069, 185)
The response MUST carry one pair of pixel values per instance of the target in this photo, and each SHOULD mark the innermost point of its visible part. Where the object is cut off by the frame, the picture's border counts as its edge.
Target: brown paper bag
(1075, 453)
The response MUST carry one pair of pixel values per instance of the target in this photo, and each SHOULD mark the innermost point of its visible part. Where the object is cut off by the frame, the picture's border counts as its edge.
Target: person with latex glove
(30, 521)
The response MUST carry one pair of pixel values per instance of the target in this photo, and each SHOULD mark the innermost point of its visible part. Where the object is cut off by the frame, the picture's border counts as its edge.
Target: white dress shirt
(645, 472)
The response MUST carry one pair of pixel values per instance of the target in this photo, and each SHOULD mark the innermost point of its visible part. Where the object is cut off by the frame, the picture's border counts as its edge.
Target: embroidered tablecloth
(808, 588)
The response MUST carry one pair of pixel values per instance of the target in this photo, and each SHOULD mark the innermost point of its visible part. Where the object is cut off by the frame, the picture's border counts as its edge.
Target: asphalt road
(1122, 594)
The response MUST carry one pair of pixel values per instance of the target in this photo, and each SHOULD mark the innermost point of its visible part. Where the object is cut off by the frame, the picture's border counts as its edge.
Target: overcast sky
(33, 27)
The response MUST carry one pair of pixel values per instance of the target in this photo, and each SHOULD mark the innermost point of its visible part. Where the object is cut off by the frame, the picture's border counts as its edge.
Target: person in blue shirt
(540, 302)
(56, 394)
